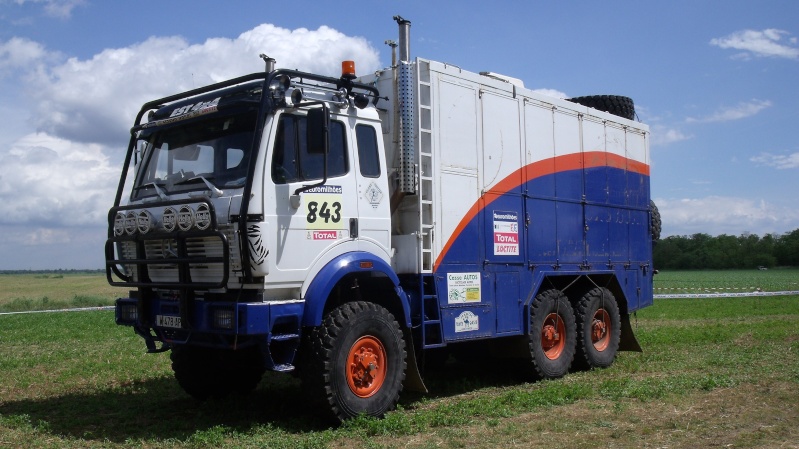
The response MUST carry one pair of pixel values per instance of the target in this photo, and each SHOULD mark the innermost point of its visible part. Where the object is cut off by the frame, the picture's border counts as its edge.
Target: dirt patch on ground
(762, 416)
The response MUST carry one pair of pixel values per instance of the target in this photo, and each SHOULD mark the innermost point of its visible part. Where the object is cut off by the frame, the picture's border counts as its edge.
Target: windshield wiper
(214, 191)
(154, 185)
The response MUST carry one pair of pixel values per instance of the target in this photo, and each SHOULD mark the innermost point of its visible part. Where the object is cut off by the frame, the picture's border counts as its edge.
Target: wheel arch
(373, 279)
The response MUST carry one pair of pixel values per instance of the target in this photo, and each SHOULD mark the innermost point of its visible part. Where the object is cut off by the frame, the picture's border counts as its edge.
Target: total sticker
(463, 288)
(324, 235)
(506, 233)
(466, 322)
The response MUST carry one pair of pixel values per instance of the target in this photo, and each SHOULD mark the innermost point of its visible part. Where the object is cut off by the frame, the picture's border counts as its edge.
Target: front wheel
(357, 361)
(552, 336)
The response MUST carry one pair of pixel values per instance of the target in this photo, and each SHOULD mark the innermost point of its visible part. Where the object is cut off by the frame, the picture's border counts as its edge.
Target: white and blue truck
(354, 229)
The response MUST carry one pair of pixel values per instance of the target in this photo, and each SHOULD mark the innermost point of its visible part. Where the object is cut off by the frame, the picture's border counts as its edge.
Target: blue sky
(716, 82)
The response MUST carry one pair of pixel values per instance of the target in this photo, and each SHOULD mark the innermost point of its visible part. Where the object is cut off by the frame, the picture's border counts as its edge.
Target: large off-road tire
(357, 361)
(206, 372)
(598, 328)
(614, 104)
(656, 222)
(552, 338)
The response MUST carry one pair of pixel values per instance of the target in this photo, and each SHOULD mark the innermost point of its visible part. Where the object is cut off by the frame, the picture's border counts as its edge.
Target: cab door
(320, 223)
(374, 222)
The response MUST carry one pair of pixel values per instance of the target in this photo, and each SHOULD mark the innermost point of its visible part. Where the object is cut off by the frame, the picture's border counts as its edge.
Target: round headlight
(130, 223)
(280, 83)
(119, 224)
(169, 219)
(144, 221)
(185, 218)
(202, 218)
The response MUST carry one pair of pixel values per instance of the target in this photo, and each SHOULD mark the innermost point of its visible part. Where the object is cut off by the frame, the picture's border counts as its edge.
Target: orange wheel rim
(366, 366)
(553, 336)
(600, 330)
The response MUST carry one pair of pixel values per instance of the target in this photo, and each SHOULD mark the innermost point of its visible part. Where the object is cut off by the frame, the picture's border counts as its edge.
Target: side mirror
(316, 131)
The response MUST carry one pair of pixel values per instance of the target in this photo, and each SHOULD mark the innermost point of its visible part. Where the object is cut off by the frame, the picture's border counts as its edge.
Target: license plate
(167, 321)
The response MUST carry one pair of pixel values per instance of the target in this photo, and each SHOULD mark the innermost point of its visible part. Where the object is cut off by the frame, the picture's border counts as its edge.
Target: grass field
(46, 291)
(774, 280)
(721, 372)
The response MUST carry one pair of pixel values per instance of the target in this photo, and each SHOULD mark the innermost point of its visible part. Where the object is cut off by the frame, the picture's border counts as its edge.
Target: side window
(284, 160)
(291, 160)
(368, 157)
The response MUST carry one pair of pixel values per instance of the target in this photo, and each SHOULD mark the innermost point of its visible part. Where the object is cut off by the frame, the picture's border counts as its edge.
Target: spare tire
(614, 104)
(657, 224)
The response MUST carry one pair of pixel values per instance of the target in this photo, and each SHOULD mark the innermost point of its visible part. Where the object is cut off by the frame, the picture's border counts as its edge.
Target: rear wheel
(357, 361)
(206, 372)
(552, 336)
(599, 328)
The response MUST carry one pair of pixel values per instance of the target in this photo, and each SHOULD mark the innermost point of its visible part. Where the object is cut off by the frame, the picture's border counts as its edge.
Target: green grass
(39, 291)
(724, 370)
(711, 281)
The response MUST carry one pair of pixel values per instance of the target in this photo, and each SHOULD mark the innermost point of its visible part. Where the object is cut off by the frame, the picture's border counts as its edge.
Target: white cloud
(717, 215)
(42, 247)
(765, 43)
(662, 136)
(740, 111)
(61, 9)
(778, 161)
(551, 93)
(20, 53)
(95, 100)
(45, 180)
(62, 175)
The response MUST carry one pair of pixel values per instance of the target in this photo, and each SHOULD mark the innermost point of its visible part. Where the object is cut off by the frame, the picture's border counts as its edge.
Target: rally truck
(353, 230)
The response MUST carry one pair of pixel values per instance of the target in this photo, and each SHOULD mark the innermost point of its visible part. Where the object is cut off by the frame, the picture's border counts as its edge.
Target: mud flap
(413, 378)
(628, 341)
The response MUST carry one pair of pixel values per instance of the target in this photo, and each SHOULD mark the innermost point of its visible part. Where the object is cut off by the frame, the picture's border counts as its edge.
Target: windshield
(194, 155)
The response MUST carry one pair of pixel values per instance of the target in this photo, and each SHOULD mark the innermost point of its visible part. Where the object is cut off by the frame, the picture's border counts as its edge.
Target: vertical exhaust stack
(270, 63)
(404, 38)
(405, 97)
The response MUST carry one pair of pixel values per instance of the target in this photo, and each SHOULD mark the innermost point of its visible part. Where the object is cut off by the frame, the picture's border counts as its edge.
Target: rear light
(222, 318)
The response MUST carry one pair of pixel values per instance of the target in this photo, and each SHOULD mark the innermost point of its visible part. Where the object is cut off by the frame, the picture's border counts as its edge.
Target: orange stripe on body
(574, 161)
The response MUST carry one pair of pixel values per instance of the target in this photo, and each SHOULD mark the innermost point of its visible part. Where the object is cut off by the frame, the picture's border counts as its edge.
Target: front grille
(201, 248)
(179, 260)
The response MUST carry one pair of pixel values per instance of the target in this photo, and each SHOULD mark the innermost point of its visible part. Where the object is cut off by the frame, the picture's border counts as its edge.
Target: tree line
(702, 251)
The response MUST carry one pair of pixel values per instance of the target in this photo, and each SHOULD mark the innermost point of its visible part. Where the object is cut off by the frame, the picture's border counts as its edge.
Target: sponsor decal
(186, 112)
(323, 211)
(467, 321)
(373, 195)
(326, 189)
(506, 233)
(463, 288)
(324, 235)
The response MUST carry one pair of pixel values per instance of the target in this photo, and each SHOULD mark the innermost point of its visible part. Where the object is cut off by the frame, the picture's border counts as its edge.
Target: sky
(716, 81)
